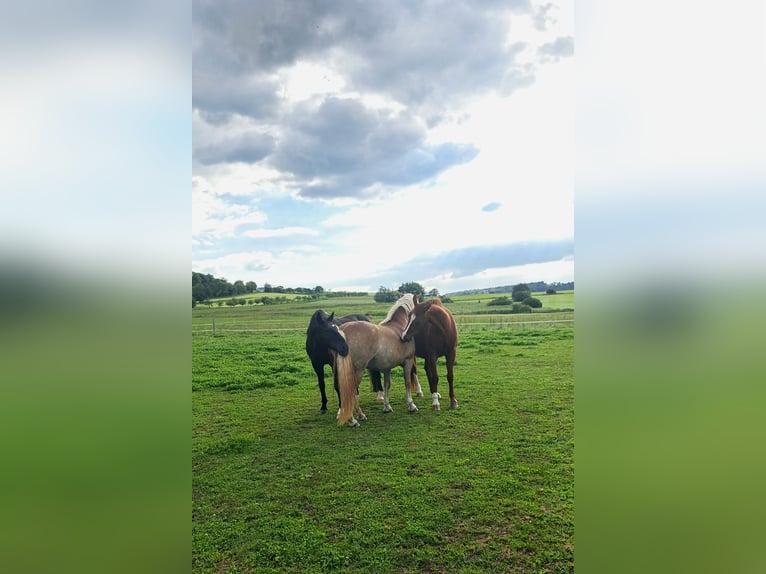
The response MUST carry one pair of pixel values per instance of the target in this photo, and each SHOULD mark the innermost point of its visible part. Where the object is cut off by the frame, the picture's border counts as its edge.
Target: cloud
(215, 217)
(561, 47)
(476, 259)
(492, 206)
(417, 54)
(232, 264)
(218, 96)
(339, 148)
(282, 232)
(541, 18)
(248, 148)
(419, 64)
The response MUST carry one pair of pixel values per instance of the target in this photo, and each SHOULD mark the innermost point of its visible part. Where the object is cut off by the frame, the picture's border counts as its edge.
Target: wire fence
(216, 328)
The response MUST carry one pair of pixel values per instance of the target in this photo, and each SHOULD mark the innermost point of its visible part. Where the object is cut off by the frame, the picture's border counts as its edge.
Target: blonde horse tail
(344, 367)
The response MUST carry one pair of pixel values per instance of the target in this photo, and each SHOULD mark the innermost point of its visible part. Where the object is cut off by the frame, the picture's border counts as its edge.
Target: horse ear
(332, 316)
(416, 298)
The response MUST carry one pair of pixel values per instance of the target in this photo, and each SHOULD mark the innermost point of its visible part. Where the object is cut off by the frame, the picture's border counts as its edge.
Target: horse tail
(344, 367)
(375, 381)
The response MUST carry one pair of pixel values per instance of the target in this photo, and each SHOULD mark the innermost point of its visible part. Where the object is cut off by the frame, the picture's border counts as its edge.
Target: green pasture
(277, 487)
(468, 310)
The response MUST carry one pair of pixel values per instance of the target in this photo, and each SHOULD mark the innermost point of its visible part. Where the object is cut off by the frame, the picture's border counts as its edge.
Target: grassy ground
(485, 488)
(467, 310)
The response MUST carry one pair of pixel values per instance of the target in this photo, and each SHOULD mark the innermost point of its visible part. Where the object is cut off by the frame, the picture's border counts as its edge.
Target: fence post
(213, 326)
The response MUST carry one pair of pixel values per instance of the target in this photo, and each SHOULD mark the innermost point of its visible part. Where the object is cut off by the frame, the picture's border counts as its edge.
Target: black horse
(321, 336)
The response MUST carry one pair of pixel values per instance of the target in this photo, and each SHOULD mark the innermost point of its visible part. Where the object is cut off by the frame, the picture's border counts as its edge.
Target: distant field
(468, 310)
(279, 488)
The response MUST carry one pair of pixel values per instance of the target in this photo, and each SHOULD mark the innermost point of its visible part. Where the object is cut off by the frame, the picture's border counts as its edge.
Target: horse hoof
(436, 407)
(388, 409)
(322, 411)
(412, 408)
(453, 405)
(353, 423)
(362, 417)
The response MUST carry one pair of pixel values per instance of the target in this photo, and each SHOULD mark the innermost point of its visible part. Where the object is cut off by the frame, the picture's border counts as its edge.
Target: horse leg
(418, 390)
(411, 406)
(433, 381)
(386, 404)
(450, 367)
(357, 407)
(319, 370)
(376, 384)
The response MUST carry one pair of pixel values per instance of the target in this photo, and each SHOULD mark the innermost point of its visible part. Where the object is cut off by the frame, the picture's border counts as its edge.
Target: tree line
(206, 287)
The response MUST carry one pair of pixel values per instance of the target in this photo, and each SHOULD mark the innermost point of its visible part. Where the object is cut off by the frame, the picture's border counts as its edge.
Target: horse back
(439, 335)
(374, 346)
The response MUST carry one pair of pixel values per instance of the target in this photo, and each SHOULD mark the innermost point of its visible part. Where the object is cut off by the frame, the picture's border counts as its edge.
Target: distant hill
(534, 287)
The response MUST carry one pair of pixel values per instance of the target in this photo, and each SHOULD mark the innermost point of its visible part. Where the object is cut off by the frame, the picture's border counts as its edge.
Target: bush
(386, 296)
(521, 308)
(533, 302)
(521, 292)
(550, 291)
(499, 301)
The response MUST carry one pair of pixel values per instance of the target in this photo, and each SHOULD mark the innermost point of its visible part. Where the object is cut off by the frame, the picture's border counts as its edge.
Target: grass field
(467, 309)
(279, 488)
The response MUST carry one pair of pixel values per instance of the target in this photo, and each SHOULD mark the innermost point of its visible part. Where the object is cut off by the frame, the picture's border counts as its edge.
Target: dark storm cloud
(217, 96)
(471, 260)
(427, 57)
(341, 148)
(417, 53)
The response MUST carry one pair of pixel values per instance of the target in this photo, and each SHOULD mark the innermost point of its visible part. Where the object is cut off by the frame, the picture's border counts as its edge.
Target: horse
(433, 328)
(378, 347)
(321, 336)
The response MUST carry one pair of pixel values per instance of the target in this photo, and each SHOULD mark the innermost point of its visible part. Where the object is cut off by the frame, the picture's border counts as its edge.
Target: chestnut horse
(379, 347)
(435, 333)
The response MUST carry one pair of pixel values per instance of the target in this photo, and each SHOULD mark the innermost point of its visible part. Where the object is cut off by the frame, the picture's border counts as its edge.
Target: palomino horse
(322, 336)
(378, 347)
(435, 333)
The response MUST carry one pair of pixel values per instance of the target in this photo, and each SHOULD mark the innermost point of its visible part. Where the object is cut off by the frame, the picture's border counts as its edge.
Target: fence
(462, 321)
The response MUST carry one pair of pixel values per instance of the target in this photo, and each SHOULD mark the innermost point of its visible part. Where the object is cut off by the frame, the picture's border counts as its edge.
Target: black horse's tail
(375, 381)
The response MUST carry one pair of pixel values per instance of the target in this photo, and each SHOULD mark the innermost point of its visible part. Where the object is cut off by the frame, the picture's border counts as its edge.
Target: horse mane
(405, 302)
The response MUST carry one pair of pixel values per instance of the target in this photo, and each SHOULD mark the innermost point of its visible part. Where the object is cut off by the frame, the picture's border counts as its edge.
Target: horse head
(417, 319)
(326, 331)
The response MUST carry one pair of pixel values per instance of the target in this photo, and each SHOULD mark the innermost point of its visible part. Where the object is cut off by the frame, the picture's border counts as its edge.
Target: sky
(355, 145)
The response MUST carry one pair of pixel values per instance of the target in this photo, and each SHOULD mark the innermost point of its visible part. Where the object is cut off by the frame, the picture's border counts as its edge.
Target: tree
(318, 289)
(433, 293)
(239, 288)
(533, 302)
(411, 287)
(520, 292)
(251, 286)
(550, 291)
(385, 295)
(267, 288)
